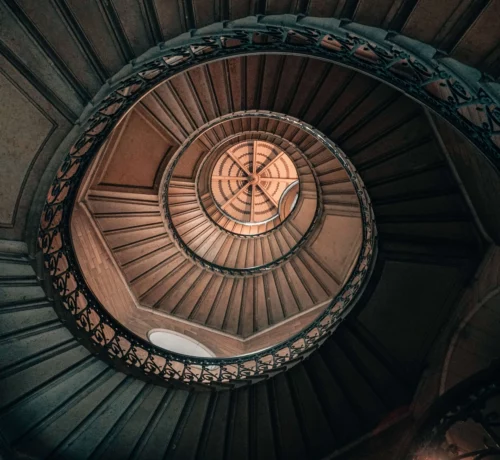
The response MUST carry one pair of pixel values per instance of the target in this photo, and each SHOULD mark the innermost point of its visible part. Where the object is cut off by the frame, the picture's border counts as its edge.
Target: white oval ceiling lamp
(179, 343)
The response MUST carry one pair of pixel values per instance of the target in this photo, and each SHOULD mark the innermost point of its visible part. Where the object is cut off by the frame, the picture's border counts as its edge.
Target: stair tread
(128, 438)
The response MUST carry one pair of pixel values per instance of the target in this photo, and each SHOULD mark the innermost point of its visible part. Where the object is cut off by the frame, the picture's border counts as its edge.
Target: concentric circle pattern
(249, 181)
(287, 197)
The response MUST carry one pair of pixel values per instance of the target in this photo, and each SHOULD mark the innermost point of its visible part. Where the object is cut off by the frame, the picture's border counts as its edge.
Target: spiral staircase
(263, 185)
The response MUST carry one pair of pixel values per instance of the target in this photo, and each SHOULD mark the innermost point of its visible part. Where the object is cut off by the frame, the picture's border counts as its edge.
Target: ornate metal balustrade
(460, 94)
(465, 423)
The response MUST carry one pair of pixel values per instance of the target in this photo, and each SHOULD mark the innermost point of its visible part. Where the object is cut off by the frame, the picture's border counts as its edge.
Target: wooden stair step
(155, 296)
(314, 425)
(184, 443)
(196, 232)
(446, 205)
(430, 182)
(159, 434)
(456, 231)
(408, 132)
(153, 278)
(123, 222)
(117, 205)
(86, 438)
(128, 440)
(237, 439)
(204, 242)
(212, 441)
(61, 428)
(194, 295)
(131, 235)
(345, 424)
(233, 311)
(220, 306)
(208, 301)
(180, 290)
(135, 250)
(364, 400)
(290, 435)
(374, 109)
(139, 267)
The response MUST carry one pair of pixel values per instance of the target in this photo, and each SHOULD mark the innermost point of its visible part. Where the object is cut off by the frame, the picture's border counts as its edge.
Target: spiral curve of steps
(59, 401)
(306, 278)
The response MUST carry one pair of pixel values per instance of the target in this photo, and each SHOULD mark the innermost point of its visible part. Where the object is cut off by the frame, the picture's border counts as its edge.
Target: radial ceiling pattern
(385, 134)
(250, 179)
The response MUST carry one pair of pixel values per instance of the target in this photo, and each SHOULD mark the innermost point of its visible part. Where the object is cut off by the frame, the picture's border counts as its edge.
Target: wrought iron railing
(464, 424)
(460, 94)
(208, 265)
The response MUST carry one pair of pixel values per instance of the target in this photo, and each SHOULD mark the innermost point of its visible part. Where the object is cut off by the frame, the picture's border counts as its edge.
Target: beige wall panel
(25, 129)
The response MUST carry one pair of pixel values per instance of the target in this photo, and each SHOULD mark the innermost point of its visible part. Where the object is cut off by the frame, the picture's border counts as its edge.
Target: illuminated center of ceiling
(250, 180)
